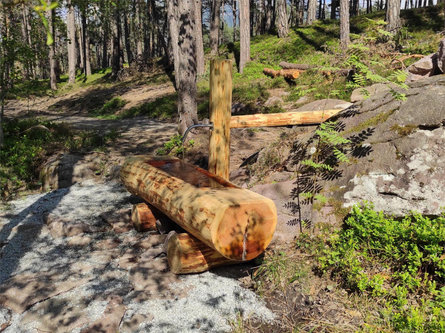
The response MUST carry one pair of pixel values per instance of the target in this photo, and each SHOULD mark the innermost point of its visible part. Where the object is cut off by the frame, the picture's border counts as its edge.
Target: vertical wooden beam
(220, 113)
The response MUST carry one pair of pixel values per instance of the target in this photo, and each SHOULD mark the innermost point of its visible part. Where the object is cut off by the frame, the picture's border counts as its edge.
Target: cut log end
(143, 218)
(187, 255)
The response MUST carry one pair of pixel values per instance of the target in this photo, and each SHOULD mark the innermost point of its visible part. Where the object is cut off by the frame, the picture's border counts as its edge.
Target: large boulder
(396, 157)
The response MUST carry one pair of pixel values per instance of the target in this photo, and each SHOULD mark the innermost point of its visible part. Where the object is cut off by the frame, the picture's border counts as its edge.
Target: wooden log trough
(237, 223)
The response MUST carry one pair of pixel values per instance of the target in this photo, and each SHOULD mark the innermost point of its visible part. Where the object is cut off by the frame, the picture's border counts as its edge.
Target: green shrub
(399, 262)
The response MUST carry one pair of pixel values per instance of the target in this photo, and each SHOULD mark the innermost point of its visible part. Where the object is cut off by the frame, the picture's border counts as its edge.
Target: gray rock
(360, 94)
(396, 157)
(273, 100)
(441, 56)
(325, 104)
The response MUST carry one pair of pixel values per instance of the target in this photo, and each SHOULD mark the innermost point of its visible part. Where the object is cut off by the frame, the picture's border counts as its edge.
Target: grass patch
(161, 108)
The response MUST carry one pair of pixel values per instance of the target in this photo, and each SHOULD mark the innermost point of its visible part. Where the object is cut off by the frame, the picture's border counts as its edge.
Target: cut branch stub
(236, 222)
(143, 218)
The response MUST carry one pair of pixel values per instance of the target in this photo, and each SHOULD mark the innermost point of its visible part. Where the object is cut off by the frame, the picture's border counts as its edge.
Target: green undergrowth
(29, 142)
(397, 264)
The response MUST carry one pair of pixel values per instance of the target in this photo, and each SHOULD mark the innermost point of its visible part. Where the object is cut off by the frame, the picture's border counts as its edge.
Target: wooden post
(220, 112)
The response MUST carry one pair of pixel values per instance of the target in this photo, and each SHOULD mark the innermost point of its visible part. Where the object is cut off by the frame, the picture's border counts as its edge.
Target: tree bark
(234, 15)
(282, 24)
(311, 11)
(393, 16)
(236, 222)
(200, 66)
(244, 34)
(127, 38)
(290, 74)
(52, 52)
(71, 31)
(215, 13)
(187, 106)
(344, 24)
(142, 217)
(172, 19)
(116, 64)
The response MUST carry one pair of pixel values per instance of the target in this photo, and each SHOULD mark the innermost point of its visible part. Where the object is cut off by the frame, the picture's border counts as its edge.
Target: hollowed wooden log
(236, 222)
(187, 254)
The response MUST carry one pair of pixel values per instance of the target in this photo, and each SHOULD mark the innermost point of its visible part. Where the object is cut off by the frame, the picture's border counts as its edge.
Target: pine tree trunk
(234, 15)
(344, 24)
(311, 11)
(71, 31)
(52, 51)
(244, 34)
(116, 64)
(214, 26)
(127, 39)
(200, 68)
(268, 17)
(172, 19)
(138, 32)
(282, 24)
(187, 106)
(334, 6)
(393, 16)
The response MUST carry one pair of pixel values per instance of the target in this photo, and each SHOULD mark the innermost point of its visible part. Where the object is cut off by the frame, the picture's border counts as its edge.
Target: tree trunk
(236, 222)
(138, 31)
(215, 13)
(244, 34)
(282, 24)
(311, 11)
(200, 68)
(344, 24)
(116, 64)
(234, 14)
(52, 50)
(187, 106)
(268, 17)
(334, 6)
(127, 39)
(172, 19)
(71, 31)
(393, 16)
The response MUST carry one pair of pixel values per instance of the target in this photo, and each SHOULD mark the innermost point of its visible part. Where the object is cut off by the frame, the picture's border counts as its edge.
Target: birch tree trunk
(311, 11)
(344, 23)
(71, 31)
(200, 68)
(282, 24)
(244, 33)
(52, 53)
(215, 13)
(393, 16)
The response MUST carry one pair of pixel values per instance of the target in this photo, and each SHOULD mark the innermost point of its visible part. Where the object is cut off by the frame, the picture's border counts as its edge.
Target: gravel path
(71, 263)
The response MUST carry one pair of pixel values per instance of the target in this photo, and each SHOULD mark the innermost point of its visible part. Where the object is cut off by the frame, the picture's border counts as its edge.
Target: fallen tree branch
(288, 65)
(290, 74)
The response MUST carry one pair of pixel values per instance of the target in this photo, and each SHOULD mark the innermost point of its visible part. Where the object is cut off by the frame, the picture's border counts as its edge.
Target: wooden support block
(236, 222)
(220, 103)
(282, 119)
(187, 254)
(143, 218)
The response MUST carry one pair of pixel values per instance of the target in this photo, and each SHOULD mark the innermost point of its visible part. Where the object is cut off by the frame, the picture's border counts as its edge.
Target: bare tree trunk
(187, 106)
(52, 52)
(116, 63)
(334, 6)
(200, 68)
(138, 30)
(127, 38)
(244, 33)
(268, 17)
(393, 16)
(344, 24)
(173, 24)
(26, 35)
(71, 31)
(215, 13)
(282, 24)
(311, 11)
(234, 14)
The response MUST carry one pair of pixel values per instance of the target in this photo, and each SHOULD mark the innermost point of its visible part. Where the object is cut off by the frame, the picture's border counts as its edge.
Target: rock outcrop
(396, 157)
(433, 64)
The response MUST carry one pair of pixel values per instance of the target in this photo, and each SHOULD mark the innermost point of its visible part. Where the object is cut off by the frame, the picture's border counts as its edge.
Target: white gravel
(209, 302)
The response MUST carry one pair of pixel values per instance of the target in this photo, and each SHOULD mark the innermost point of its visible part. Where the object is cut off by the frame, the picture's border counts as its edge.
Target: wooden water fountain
(224, 224)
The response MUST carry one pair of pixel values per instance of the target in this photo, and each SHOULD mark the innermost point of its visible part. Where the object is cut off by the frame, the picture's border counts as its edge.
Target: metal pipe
(195, 126)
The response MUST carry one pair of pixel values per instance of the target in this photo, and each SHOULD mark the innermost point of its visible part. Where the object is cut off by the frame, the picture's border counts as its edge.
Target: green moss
(371, 122)
(404, 130)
